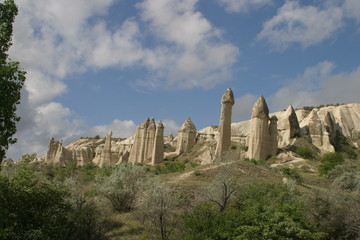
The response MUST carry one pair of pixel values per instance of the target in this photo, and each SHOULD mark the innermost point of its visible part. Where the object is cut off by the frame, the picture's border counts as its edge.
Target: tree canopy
(12, 78)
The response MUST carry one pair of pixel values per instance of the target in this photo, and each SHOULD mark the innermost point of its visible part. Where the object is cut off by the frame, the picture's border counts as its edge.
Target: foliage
(329, 161)
(341, 144)
(262, 211)
(348, 181)
(292, 173)
(305, 152)
(123, 186)
(255, 161)
(158, 208)
(30, 209)
(170, 166)
(222, 189)
(11, 76)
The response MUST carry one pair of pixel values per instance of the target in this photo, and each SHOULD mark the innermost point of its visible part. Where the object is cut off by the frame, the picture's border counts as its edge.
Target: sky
(99, 65)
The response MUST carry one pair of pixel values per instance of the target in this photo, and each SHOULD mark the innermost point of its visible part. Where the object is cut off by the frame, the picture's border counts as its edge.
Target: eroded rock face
(320, 137)
(186, 138)
(224, 138)
(105, 159)
(158, 148)
(261, 143)
(273, 136)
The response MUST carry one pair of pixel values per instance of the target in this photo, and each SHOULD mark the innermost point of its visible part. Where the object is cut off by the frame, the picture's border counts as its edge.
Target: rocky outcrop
(260, 140)
(273, 136)
(186, 138)
(105, 159)
(289, 126)
(137, 153)
(158, 148)
(224, 138)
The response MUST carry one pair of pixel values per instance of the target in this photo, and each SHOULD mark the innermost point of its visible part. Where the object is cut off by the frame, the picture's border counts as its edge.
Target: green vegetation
(228, 200)
(305, 152)
(170, 166)
(261, 211)
(11, 76)
(292, 173)
(342, 144)
(254, 161)
(329, 161)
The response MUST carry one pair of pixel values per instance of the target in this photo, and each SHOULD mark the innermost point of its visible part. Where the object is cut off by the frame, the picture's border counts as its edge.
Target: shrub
(123, 186)
(170, 166)
(329, 161)
(254, 161)
(305, 152)
(233, 147)
(292, 174)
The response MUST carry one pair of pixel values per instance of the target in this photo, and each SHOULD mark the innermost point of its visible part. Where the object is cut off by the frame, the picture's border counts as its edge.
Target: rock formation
(137, 150)
(186, 138)
(318, 133)
(260, 141)
(105, 159)
(224, 138)
(273, 136)
(158, 148)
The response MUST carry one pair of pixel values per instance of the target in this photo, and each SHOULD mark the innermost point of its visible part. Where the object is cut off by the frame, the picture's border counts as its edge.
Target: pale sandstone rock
(105, 159)
(186, 138)
(273, 136)
(224, 138)
(158, 148)
(138, 149)
(260, 146)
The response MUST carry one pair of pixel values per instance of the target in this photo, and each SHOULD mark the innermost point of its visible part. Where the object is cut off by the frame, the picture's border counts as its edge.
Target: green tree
(123, 186)
(11, 79)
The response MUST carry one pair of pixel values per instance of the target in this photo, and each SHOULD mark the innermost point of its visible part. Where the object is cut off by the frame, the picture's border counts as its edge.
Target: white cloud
(192, 52)
(318, 85)
(243, 107)
(352, 9)
(243, 5)
(304, 25)
(170, 126)
(55, 39)
(123, 129)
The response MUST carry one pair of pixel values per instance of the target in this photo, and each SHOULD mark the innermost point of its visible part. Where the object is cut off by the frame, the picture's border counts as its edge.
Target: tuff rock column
(158, 149)
(150, 139)
(137, 150)
(273, 136)
(224, 139)
(186, 136)
(106, 152)
(259, 141)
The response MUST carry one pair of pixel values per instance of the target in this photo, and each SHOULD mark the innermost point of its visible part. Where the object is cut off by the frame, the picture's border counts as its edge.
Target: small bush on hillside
(123, 186)
(329, 161)
(254, 161)
(169, 167)
(293, 174)
(305, 152)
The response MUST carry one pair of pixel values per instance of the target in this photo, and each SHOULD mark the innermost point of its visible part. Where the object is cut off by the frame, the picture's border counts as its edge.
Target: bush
(329, 161)
(262, 211)
(254, 161)
(170, 166)
(305, 152)
(123, 186)
(292, 174)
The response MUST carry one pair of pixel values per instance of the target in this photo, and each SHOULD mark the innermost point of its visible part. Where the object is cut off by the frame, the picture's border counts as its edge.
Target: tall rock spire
(261, 144)
(186, 136)
(224, 139)
(158, 148)
(106, 152)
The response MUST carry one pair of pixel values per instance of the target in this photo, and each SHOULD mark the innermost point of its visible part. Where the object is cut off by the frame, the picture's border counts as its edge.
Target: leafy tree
(123, 186)
(11, 79)
(158, 208)
(262, 211)
(31, 209)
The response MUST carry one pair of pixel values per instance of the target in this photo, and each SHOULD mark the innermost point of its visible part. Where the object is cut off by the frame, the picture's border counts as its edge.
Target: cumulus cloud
(243, 107)
(69, 37)
(318, 85)
(192, 52)
(243, 5)
(304, 25)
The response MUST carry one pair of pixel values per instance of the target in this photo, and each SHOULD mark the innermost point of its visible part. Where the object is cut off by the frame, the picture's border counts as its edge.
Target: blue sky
(95, 66)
